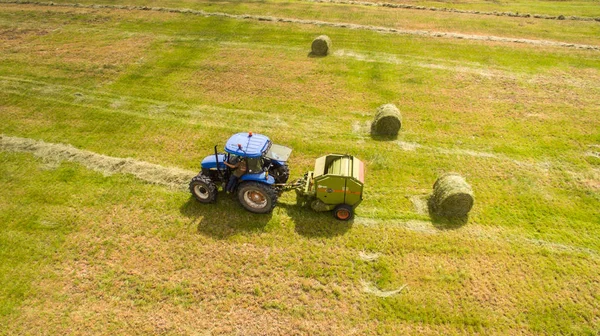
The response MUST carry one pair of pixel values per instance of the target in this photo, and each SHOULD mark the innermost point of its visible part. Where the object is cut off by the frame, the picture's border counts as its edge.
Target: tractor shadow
(223, 219)
(312, 224)
(446, 223)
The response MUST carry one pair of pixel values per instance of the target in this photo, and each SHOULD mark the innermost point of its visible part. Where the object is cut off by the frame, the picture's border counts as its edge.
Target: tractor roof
(247, 144)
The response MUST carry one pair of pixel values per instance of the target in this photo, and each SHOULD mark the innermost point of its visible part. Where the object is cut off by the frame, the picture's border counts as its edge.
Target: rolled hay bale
(321, 46)
(452, 196)
(388, 120)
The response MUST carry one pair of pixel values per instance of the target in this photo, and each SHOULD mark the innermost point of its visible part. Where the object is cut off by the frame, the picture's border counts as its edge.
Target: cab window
(254, 165)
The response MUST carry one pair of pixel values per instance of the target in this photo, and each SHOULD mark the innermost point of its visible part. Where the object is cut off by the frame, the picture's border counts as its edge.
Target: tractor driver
(239, 169)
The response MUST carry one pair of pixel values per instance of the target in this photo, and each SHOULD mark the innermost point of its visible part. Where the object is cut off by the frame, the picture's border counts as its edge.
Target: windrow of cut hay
(459, 11)
(452, 196)
(149, 172)
(264, 18)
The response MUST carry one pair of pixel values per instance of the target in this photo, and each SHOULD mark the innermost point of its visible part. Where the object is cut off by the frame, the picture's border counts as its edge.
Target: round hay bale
(388, 120)
(452, 196)
(321, 46)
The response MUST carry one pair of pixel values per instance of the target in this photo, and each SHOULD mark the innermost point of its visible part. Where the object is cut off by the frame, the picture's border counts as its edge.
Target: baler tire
(281, 174)
(343, 212)
(257, 197)
(203, 189)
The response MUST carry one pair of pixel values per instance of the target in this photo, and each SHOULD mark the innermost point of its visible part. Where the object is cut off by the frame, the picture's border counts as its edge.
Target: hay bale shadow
(224, 219)
(445, 223)
(310, 223)
(313, 55)
(378, 137)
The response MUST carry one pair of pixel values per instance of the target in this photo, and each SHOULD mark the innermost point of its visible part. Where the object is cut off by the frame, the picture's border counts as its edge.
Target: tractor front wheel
(281, 174)
(257, 197)
(343, 212)
(203, 189)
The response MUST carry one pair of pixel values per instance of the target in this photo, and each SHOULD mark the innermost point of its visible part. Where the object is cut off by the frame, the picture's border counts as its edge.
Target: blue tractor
(259, 188)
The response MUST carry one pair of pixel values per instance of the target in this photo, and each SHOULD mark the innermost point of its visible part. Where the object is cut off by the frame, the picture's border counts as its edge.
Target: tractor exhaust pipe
(218, 169)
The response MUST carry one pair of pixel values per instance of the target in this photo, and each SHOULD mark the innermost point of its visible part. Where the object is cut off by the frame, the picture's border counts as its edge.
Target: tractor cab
(251, 147)
(265, 160)
(257, 148)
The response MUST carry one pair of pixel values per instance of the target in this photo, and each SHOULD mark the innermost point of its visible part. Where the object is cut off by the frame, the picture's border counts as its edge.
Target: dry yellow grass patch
(122, 273)
(240, 73)
(51, 42)
(79, 49)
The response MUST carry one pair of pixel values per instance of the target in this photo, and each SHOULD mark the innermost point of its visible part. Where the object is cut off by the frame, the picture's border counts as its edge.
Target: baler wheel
(257, 197)
(203, 189)
(343, 212)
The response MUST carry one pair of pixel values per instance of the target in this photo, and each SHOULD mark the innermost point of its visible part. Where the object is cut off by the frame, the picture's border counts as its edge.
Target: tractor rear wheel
(343, 212)
(203, 189)
(281, 174)
(257, 197)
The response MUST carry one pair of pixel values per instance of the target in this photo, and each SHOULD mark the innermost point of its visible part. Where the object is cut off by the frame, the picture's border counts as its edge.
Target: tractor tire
(257, 197)
(203, 189)
(343, 212)
(281, 174)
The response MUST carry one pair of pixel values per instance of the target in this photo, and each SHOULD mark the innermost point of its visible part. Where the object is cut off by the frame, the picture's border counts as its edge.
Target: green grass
(35, 218)
(578, 8)
(582, 32)
(111, 254)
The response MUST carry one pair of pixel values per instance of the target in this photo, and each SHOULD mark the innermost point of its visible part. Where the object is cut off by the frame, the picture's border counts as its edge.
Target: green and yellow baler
(335, 184)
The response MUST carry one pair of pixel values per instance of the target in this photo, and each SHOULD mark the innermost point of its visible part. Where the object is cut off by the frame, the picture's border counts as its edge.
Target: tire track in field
(454, 10)
(204, 115)
(477, 232)
(380, 29)
(142, 107)
(474, 69)
(363, 129)
(562, 79)
(55, 152)
(178, 179)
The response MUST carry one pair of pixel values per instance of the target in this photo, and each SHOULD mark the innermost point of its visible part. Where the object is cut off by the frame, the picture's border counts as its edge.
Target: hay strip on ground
(387, 122)
(419, 203)
(316, 23)
(365, 256)
(454, 10)
(371, 289)
(452, 196)
(149, 172)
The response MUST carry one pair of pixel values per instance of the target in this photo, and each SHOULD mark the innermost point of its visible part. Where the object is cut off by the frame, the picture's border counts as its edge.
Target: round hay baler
(335, 184)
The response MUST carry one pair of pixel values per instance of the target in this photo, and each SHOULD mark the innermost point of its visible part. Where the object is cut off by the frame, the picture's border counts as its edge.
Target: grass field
(87, 252)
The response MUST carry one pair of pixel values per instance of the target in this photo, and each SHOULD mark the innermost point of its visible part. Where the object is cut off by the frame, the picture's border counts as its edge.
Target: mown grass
(123, 256)
(35, 220)
(577, 8)
(582, 32)
(144, 253)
